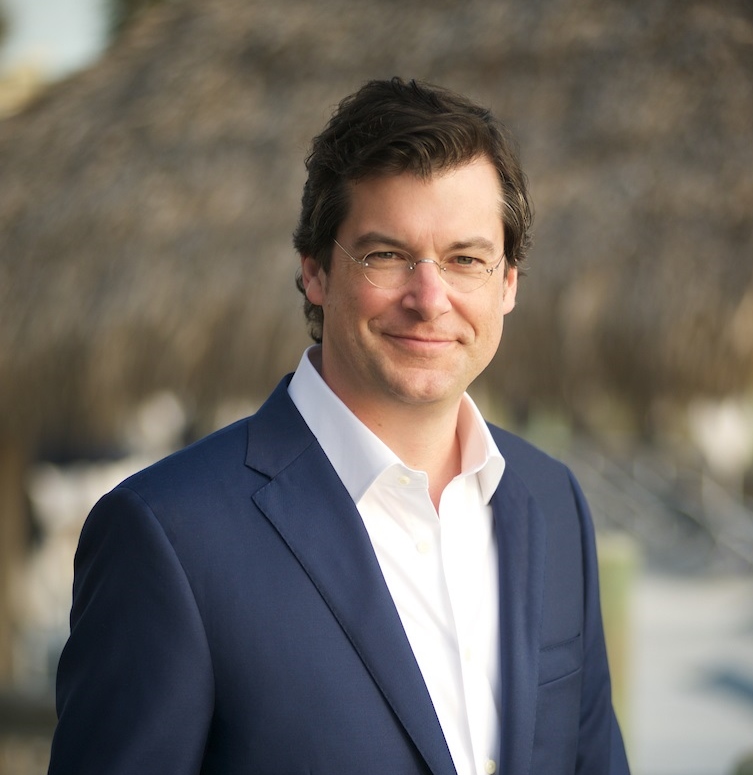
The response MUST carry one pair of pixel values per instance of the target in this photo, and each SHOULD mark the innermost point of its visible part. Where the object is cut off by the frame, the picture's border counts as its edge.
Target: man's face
(425, 342)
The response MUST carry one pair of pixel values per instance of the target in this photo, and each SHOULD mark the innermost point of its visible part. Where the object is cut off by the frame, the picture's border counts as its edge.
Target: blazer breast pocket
(560, 660)
(555, 745)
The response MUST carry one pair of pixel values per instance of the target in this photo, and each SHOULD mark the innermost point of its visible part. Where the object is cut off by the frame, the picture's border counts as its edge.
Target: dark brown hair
(392, 127)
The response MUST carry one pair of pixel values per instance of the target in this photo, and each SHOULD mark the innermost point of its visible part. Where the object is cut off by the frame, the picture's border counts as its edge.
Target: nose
(426, 291)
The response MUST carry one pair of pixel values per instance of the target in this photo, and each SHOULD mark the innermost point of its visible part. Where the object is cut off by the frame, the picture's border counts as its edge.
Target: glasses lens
(464, 279)
(387, 269)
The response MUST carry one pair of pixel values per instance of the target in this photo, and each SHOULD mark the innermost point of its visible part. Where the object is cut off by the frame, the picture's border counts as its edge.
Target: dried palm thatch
(146, 204)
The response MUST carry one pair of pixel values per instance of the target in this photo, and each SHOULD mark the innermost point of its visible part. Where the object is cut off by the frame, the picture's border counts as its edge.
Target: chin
(419, 395)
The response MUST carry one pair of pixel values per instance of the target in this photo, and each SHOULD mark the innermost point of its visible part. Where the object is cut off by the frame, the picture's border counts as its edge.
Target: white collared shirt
(442, 573)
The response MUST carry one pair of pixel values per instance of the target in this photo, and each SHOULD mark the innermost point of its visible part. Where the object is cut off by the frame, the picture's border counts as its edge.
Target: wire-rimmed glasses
(391, 269)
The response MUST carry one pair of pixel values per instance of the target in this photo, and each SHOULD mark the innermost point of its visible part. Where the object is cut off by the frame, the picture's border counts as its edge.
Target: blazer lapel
(313, 513)
(521, 538)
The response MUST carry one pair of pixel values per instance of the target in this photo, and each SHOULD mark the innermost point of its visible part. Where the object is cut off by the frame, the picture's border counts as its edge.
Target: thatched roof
(147, 203)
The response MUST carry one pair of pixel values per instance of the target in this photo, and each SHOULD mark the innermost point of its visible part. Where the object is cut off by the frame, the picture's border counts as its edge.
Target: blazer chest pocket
(560, 660)
(555, 745)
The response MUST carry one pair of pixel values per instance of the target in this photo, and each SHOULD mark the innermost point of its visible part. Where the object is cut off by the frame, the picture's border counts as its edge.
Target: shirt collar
(359, 456)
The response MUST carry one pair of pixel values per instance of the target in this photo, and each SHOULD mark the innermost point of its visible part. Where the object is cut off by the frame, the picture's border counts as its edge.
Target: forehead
(452, 202)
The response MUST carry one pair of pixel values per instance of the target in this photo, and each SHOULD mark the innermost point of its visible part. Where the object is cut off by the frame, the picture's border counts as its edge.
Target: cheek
(362, 307)
(490, 331)
(343, 317)
(493, 331)
(488, 318)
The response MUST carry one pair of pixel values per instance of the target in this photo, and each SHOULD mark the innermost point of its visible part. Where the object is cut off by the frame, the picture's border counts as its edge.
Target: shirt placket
(465, 555)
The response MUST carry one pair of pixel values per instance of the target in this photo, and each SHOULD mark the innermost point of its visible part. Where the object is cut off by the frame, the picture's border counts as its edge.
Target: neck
(424, 438)
(423, 435)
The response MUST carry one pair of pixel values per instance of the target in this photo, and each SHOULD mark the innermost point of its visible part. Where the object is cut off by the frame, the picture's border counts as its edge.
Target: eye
(385, 257)
(468, 262)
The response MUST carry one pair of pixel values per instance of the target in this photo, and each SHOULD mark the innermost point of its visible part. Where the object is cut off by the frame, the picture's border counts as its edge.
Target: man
(362, 577)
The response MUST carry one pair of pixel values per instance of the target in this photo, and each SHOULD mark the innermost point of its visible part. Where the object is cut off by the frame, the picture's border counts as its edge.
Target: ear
(509, 290)
(313, 280)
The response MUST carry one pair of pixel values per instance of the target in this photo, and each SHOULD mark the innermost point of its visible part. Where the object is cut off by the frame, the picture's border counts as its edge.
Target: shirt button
(490, 767)
(403, 479)
(423, 547)
(468, 656)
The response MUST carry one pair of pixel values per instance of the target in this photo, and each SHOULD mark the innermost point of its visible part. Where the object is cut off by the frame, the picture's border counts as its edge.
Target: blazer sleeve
(600, 746)
(135, 678)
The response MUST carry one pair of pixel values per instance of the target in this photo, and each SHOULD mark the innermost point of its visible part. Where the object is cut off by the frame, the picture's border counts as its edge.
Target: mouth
(420, 343)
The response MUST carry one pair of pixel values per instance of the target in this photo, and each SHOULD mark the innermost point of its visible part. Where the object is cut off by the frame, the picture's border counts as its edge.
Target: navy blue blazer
(230, 616)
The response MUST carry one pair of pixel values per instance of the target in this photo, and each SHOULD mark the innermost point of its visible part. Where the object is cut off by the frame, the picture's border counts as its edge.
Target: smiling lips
(415, 341)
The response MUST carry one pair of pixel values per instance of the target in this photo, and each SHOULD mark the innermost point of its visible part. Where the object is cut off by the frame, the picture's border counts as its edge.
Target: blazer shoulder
(235, 459)
(215, 463)
(524, 457)
(549, 480)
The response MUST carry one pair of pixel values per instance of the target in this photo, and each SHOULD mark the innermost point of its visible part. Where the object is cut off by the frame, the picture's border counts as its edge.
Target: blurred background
(151, 163)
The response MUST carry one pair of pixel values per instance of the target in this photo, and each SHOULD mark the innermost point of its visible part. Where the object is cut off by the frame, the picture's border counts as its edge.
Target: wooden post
(618, 560)
(12, 530)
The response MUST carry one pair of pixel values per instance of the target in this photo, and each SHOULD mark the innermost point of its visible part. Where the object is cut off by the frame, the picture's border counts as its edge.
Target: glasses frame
(412, 263)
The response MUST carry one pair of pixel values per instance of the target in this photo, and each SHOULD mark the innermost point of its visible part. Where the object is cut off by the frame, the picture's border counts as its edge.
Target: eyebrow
(476, 242)
(371, 238)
